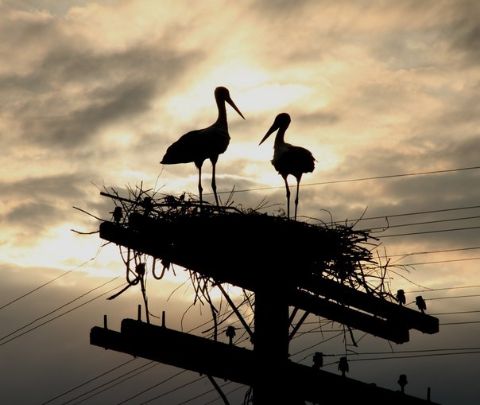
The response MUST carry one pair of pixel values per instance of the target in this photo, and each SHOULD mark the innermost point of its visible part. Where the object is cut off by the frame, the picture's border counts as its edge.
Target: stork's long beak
(272, 129)
(230, 101)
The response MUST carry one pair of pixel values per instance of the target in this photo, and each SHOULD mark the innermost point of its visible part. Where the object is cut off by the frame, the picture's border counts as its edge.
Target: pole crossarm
(221, 360)
(410, 318)
(309, 292)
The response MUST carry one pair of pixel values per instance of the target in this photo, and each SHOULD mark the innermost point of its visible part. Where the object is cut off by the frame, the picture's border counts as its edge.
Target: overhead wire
(65, 273)
(353, 180)
(110, 370)
(113, 382)
(60, 315)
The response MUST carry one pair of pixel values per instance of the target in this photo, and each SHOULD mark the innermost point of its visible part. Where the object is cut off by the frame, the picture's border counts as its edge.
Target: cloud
(65, 90)
(49, 187)
(464, 31)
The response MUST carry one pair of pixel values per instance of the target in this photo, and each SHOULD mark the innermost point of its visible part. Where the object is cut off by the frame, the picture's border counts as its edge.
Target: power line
(168, 392)
(445, 288)
(56, 309)
(443, 349)
(50, 281)
(452, 297)
(131, 371)
(405, 214)
(433, 231)
(440, 261)
(117, 380)
(88, 381)
(35, 289)
(425, 252)
(62, 314)
(388, 176)
(456, 313)
(204, 393)
(437, 221)
(227, 393)
(459, 323)
(415, 356)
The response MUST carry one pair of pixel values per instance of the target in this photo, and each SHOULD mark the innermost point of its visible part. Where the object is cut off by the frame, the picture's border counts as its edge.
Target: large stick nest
(247, 247)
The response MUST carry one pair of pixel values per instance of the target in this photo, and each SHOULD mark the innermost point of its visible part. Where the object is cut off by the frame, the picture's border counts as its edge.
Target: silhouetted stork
(289, 159)
(208, 143)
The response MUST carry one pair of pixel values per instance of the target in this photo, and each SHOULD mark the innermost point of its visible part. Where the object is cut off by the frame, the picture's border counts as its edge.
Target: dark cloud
(70, 91)
(35, 215)
(49, 187)
(37, 204)
(319, 118)
(464, 32)
(105, 106)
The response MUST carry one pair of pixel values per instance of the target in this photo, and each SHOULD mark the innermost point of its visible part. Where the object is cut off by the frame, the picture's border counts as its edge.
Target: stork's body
(208, 143)
(287, 158)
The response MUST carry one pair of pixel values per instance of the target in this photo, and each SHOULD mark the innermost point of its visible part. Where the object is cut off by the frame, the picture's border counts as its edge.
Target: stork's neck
(280, 137)
(222, 114)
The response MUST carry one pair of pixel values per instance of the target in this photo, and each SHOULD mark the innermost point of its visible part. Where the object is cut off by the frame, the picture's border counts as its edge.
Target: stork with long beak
(208, 143)
(287, 158)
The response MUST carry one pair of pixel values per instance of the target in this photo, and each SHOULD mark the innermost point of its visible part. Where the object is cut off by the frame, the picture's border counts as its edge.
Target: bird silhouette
(208, 143)
(289, 159)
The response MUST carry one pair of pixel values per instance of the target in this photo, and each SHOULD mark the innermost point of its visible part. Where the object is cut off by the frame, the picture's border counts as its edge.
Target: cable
(434, 231)
(415, 356)
(452, 297)
(51, 281)
(425, 252)
(88, 381)
(109, 382)
(318, 343)
(56, 309)
(437, 221)
(456, 313)
(440, 261)
(62, 314)
(445, 349)
(459, 323)
(35, 289)
(404, 214)
(388, 176)
(203, 394)
(117, 380)
(227, 393)
(445, 288)
(168, 392)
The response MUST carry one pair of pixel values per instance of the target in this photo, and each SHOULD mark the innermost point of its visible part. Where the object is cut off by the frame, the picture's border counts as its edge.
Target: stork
(289, 159)
(208, 143)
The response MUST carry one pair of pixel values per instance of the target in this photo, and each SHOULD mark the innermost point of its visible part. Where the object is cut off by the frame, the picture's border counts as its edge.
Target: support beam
(223, 361)
(395, 332)
(369, 303)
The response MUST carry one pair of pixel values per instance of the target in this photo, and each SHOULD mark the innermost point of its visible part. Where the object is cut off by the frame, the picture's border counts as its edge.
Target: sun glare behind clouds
(93, 92)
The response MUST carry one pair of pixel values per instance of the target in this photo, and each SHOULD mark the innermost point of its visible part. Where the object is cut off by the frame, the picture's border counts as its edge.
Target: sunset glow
(385, 95)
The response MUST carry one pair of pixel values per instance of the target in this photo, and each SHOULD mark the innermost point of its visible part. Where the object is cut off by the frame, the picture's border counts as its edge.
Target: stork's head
(222, 94)
(282, 120)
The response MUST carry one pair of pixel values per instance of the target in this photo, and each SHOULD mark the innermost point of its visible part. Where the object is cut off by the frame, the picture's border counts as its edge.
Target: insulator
(140, 269)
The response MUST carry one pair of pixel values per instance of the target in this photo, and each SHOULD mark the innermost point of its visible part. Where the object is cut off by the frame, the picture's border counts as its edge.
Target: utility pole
(278, 284)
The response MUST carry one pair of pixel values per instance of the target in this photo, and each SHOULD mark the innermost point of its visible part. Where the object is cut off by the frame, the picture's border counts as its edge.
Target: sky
(93, 92)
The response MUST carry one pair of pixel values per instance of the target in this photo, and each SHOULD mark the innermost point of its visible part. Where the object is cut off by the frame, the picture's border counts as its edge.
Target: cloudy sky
(92, 94)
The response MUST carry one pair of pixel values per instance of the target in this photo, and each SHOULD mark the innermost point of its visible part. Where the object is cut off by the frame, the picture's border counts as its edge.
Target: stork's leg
(296, 198)
(288, 196)
(214, 184)
(200, 189)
